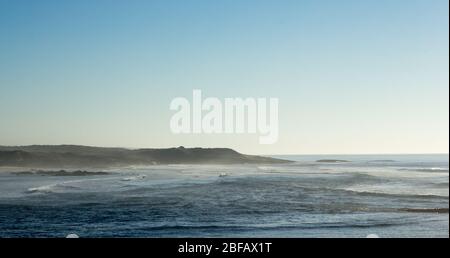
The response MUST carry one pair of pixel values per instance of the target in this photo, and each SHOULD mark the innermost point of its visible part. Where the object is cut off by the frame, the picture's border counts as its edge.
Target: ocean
(383, 195)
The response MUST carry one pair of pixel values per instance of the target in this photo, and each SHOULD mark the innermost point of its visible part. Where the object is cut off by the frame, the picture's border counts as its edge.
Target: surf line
(213, 116)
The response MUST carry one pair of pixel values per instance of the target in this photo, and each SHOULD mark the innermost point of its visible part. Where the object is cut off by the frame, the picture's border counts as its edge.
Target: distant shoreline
(67, 156)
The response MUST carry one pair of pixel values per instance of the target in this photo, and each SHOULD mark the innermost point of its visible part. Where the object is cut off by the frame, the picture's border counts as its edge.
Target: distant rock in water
(431, 210)
(424, 169)
(61, 173)
(332, 160)
(75, 156)
(382, 160)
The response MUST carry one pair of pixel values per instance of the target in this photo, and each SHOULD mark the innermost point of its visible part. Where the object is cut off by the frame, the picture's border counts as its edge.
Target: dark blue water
(391, 196)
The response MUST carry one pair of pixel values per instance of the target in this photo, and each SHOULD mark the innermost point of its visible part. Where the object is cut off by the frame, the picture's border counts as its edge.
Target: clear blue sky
(362, 76)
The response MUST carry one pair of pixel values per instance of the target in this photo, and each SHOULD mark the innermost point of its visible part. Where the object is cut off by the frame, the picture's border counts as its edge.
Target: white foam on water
(134, 178)
(72, 236)
(65, 186)
(42, 189)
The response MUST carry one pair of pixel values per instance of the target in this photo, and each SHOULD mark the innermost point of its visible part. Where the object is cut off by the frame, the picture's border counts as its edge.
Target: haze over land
(86, 156)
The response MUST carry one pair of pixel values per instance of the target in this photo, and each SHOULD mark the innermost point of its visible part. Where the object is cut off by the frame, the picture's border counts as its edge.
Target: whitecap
(134, 178)
(72, 236)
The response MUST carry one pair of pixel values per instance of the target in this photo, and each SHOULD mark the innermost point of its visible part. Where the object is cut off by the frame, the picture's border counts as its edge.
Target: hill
(86, 156)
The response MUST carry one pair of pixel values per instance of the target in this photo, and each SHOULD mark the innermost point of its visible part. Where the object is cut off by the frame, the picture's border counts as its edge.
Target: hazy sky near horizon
(351, 76)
